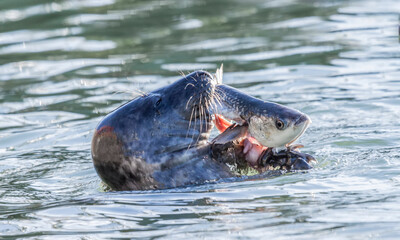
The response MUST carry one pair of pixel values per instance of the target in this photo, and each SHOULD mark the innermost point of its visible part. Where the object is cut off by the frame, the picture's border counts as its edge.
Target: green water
(65, 64)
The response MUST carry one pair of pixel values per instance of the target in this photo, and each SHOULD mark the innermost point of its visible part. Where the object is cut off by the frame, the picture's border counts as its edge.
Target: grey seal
(161, 139)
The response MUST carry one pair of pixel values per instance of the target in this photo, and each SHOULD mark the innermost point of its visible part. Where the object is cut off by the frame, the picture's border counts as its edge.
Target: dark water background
(65, 64)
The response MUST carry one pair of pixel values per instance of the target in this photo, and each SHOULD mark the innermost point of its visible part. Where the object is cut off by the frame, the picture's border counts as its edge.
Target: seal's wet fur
(159, 140)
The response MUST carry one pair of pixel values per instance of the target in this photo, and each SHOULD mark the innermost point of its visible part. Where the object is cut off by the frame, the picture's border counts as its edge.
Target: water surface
(65, 64)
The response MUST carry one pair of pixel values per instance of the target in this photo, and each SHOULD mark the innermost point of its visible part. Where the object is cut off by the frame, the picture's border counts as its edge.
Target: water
(65, 64)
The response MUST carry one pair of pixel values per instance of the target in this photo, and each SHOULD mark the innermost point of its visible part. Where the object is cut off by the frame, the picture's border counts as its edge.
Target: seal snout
(200, 82)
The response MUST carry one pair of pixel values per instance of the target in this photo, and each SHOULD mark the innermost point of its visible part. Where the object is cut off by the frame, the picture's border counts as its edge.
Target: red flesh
(221, 123)
(252, 148)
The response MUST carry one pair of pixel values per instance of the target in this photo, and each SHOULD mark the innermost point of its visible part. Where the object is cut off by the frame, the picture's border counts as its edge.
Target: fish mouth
(303, 122)
(304, 118)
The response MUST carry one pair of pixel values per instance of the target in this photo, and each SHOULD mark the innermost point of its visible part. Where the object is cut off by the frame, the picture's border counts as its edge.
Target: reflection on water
(65, 64)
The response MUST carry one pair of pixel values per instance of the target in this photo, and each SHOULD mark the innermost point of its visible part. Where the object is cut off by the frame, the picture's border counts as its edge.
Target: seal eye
(279, 124)
(158, 102)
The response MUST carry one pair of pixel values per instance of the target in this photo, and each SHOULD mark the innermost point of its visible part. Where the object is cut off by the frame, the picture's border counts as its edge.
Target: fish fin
(219, 74)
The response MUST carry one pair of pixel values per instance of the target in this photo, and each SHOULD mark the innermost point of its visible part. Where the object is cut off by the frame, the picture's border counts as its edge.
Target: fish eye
(279, 124)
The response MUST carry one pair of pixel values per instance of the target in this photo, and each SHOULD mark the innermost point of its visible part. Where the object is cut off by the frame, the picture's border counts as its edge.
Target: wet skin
(161, 139)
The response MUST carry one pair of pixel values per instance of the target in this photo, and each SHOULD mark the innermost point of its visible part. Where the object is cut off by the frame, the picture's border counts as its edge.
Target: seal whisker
(194, 125)
(215, 102)
(206, 104)
(195, 122)
(212, 104)
(189, 85)
(190, 122)
(137, 93)
(217, 97)
(206, 111)
(200, 114)
(187, 103)
(209, 104)
(202, 120)
(194, 79)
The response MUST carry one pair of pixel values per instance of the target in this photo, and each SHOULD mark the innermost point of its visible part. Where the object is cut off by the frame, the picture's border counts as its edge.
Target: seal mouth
(238, 133)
